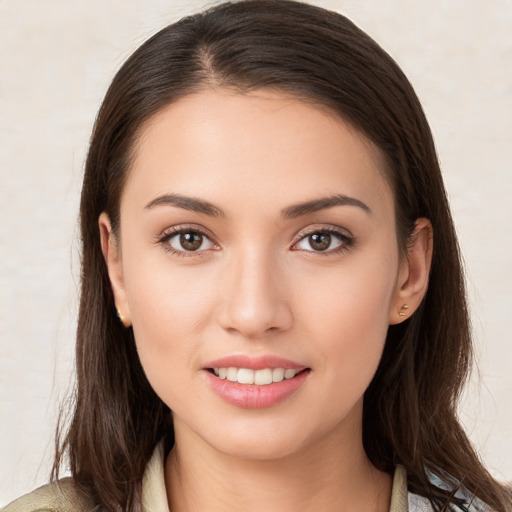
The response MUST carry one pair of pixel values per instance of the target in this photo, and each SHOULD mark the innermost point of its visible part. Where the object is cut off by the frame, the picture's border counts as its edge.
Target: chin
(252, 437)
(269, 439)
(263, 448)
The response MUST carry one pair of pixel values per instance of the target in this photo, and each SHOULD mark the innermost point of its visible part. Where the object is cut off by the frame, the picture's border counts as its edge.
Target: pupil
(320, 241)
(191, 241)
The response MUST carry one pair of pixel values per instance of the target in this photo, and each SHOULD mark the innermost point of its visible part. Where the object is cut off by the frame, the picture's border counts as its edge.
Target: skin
(261, 287)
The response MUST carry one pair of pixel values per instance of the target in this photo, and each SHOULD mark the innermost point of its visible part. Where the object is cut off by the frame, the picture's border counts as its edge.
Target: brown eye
(320, 241)
(189, 241)
(323, 241)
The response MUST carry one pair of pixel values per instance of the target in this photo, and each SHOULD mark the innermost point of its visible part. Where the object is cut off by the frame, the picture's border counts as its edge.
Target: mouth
(260, 377)
(255, 382)
(255, 388)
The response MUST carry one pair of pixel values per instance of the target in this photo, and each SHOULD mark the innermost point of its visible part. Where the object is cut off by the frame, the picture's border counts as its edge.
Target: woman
(272, 313)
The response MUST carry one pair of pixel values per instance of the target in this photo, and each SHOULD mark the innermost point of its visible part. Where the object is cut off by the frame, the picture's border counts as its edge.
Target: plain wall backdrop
(56, 60)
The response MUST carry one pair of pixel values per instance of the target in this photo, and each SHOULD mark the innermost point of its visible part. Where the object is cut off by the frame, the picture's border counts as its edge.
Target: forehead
(264, 147)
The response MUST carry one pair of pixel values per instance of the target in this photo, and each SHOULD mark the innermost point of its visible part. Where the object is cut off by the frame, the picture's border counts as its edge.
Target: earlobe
(414, 273)
(112, 256)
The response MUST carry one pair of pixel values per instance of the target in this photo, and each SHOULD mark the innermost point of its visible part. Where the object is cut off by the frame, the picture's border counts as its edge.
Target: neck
(318, 477)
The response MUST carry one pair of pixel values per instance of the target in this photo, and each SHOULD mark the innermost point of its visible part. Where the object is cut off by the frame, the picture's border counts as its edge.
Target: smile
(262, 377)
(255, 389)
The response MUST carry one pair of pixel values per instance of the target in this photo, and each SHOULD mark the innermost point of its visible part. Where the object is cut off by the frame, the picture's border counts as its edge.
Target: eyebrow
(297, 210)
(187, 203)
(290, 212)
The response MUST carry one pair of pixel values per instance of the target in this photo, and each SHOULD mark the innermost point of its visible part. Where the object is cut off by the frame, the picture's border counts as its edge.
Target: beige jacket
(61, 496)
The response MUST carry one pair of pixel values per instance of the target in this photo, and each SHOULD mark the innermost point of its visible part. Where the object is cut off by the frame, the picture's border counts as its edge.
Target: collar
(154, 496)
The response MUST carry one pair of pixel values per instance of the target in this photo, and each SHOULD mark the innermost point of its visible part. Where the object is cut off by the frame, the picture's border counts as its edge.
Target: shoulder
(403, 499)
(60, 496)
(463, 500)
(419, 503)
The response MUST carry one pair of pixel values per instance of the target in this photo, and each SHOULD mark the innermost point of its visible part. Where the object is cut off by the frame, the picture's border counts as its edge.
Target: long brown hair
(320, 56)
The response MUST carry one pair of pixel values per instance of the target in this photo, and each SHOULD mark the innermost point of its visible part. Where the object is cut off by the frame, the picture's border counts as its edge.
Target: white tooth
(245, 376)
(232, 374)
(277, 374)
(216, 371)
(263, 377)
(288, 374)
(223, 373)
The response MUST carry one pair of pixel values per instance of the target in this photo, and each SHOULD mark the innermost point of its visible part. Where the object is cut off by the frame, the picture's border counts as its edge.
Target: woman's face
(257, 233)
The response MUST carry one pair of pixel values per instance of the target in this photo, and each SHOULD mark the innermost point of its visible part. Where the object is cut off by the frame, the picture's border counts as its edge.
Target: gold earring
(401, 312)
(121, 317)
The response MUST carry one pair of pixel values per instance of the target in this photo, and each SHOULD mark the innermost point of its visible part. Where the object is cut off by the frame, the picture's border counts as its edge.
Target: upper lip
(255, 363)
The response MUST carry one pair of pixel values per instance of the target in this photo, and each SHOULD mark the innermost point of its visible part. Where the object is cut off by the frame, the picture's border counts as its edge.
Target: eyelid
(346, 237)
(183, 228)
(329, 228)
(172, 231)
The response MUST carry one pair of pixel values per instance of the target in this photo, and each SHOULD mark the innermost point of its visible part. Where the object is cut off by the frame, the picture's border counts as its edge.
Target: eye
(324, 240)
(186, 240)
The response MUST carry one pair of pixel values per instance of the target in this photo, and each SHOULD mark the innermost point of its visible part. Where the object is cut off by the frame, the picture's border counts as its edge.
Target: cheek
(347, 312)
(169, 310)
(355, 295)
(162, 296)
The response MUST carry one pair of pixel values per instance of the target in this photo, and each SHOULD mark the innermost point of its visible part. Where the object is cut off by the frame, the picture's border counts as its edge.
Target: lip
(252, 396)
(255, 363)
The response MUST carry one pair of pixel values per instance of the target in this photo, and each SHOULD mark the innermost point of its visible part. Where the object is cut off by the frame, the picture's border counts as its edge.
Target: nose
(254, 296)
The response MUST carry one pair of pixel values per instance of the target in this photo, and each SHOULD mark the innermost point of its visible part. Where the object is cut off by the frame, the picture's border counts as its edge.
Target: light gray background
(56, 60)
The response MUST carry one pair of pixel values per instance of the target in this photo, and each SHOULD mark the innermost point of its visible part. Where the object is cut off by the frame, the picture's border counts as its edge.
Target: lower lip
(251, 396)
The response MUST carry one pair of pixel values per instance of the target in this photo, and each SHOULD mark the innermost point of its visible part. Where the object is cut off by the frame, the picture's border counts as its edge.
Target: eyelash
(347, 241)
(172, 232)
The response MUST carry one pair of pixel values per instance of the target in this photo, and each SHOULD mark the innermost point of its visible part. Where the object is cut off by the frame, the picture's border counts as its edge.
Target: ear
(112, 255)
(414, 272)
